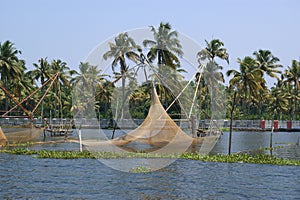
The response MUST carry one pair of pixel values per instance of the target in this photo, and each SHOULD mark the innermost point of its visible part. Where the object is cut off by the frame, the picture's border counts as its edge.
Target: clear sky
(70, 29)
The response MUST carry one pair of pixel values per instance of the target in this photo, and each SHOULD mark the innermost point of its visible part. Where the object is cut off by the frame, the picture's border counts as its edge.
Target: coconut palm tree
(123, 48)
(104, 93)
(244, 83)
(248, 79)
(88, 76)
(214, 49)
(42, 70)
(292, 75)
(11, 67)
(212, 75)
(65, 73)
(63, 79)
(165, 47)
(277, 100)
(88, 80)
(267, 62)
(41, 73)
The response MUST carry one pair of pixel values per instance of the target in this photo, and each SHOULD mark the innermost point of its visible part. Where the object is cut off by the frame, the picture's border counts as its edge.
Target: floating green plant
(242, 158)
(140, 169)
(233, 158)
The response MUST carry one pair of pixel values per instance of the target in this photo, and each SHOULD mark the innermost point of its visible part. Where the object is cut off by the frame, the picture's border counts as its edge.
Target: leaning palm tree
(242, 85)
(123, 48)
(267, 62)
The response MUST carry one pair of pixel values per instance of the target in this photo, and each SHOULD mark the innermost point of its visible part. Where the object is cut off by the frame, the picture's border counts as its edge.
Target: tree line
(247, 95)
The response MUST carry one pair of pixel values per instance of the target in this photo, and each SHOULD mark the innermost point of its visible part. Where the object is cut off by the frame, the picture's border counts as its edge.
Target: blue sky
(70, 29)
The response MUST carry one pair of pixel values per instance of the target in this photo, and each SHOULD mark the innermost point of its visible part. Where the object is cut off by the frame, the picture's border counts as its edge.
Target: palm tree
(247, 81)
(122, 48)
(104, 94)
(243, 84)
(42, 70)
(41, 73)
(65, 73)
(214, 48)
(278, 101)
(212, 75)
(165, 47)
(63, 79)
(88, 80)
(11, 67)
(292, 75)
(267, 62)
(88, 76)
(23, 86)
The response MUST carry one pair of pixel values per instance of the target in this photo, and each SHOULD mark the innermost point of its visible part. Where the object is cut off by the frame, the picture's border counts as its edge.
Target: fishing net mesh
(15, 135)
(159, 132)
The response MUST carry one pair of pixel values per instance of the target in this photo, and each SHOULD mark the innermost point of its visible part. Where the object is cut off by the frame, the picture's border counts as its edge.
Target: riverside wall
(279, 125)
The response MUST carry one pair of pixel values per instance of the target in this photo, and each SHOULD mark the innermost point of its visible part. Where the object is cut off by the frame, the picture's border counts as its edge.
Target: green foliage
(242, 158)
(64, 154)
(20, 151)
(140, 169)
(233, 158)
(254, 100)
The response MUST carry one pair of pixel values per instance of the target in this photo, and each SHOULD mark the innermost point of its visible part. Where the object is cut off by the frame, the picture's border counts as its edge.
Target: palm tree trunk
(295, 101)
(231, 119)
(123, 97)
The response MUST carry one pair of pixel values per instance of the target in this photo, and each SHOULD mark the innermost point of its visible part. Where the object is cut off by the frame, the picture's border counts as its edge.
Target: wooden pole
(80, 141)
(271, 139)
(193, 121)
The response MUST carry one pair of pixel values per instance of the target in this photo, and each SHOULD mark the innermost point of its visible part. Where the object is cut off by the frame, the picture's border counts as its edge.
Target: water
(252, 141)
(242, 141)
(27, 177)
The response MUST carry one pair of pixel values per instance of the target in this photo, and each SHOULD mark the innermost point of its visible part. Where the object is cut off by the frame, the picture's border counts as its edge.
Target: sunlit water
(27, 177)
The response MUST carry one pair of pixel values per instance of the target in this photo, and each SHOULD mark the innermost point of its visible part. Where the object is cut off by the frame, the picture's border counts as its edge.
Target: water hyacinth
(233, 158)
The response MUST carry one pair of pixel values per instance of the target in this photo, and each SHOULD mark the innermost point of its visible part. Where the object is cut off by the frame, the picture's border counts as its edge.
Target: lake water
(27, 177)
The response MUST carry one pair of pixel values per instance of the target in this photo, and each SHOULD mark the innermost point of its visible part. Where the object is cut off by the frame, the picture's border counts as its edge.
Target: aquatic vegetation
(242, 158)
(64, 154)
(140, 169)
(233, 158)
(19, 151)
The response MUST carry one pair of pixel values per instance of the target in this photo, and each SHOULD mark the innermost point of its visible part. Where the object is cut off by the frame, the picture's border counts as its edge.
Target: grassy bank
(233, 158)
